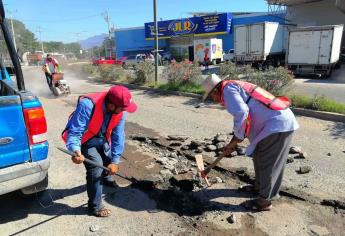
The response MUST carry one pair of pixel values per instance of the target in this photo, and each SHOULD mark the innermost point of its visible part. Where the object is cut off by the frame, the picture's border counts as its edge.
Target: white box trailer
(314, 50)
(261, 44)
(213, 47)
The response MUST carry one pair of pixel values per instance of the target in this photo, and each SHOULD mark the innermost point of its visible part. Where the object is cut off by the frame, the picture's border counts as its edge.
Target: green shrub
(228, 69)
(182, 73)
(277, 81)
(112, 73)
(89, 70)
(143, 72)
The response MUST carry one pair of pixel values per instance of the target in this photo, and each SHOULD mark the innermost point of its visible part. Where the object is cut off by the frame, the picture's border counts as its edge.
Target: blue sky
(64, 20)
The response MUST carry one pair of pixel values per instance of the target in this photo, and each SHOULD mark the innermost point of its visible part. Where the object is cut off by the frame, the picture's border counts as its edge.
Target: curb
(322, 115)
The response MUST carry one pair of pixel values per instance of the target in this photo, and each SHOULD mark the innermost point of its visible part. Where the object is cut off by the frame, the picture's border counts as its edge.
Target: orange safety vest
(96, 119)
(259, 94)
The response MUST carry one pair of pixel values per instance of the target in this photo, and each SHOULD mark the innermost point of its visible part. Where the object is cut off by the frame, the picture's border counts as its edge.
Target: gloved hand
(78, 158)
(113, 168)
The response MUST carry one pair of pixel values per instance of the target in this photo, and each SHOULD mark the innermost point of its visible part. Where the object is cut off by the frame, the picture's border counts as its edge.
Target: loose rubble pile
(299, 154)
(176, 166)
(177, 169)
(179, 178)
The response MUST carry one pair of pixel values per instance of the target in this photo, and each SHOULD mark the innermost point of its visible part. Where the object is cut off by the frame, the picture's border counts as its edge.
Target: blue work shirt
(79, 123)
(264, 121)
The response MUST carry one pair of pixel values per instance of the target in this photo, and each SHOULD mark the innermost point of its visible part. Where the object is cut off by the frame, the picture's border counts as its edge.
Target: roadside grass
(182, 87)
(318, 103)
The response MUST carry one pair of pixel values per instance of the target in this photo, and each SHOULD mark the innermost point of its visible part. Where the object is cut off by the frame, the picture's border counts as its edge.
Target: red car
(120, 60)
(102, 61)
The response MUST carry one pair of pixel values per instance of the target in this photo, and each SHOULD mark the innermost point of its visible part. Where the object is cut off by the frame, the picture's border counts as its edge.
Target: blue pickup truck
(24, 158)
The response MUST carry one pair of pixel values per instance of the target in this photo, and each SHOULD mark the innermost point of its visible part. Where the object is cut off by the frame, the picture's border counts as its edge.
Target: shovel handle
(211, 166)
(86, 160)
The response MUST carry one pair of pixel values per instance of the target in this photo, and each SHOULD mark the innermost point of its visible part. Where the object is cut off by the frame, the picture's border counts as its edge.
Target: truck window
(6, 66)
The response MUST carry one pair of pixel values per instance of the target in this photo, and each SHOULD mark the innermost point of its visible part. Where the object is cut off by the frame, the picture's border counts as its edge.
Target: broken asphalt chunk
(221, 138)
(138, 137)
(301, 155)
(304, 170)
(211, 148)
(295, 150)
(231, 219)
(175, 144)
(241, 151)
(290, 160)
(177, 138)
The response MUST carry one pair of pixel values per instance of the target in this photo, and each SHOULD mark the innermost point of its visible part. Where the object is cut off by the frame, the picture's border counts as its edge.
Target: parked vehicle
(120, 60)
(212, 47)
(34, 58)
(133, 60)
(229, 56)
(166, 58)
(260, 44)
(24, 158)
(314, 50)
(103, 61)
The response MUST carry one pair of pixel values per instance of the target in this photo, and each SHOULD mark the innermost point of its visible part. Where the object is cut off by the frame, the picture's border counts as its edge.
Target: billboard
(200, 25)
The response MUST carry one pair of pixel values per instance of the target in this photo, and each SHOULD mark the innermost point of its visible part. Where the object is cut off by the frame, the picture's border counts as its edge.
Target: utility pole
(108, 51)
(77, 37)
(13, 33)
(156, 39)
(39, 30)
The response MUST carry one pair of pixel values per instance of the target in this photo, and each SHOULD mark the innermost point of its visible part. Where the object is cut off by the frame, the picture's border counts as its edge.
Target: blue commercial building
(177, 36)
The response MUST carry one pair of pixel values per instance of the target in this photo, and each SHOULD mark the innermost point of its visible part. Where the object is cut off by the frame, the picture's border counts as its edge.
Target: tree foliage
(27, 42)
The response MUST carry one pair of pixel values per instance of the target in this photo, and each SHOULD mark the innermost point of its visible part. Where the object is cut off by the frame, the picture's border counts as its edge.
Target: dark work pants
(269, 159)
(49, 80)
(95, 175)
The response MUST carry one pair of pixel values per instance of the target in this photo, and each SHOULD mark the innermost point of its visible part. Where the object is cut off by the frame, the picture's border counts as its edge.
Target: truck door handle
(6, 140)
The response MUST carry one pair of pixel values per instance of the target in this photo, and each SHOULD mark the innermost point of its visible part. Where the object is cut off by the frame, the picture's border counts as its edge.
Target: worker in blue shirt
(96, 130)
(268, 128)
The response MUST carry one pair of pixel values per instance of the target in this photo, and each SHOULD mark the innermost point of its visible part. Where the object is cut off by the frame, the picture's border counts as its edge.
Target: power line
(64, 20)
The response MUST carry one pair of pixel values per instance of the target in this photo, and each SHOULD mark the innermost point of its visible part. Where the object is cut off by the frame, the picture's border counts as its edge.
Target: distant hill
(93, 41)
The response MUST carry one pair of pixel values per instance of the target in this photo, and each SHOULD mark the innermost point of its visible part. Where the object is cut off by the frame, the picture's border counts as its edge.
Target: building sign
(201, 25)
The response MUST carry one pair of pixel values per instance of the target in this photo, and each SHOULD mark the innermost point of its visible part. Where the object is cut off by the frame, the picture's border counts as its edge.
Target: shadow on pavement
(16, 206)
(337, 130)
(173, 201)
(338, 77)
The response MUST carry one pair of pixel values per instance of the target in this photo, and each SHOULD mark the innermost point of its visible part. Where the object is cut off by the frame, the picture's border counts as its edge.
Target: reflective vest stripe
(259, 94)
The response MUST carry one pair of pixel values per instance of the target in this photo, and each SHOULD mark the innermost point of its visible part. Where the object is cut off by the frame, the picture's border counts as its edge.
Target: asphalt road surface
(61, 210)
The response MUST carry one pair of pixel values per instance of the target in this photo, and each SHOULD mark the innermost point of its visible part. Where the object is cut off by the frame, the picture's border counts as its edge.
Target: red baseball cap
(120, 96)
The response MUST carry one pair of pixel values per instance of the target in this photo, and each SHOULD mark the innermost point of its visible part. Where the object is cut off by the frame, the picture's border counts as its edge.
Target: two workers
(96, 130)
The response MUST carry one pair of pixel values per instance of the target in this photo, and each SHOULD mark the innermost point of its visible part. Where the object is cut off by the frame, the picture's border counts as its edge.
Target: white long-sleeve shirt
(264, 121)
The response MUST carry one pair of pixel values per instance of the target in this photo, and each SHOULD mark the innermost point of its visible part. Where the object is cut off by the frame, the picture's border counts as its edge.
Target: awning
(290, 2)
